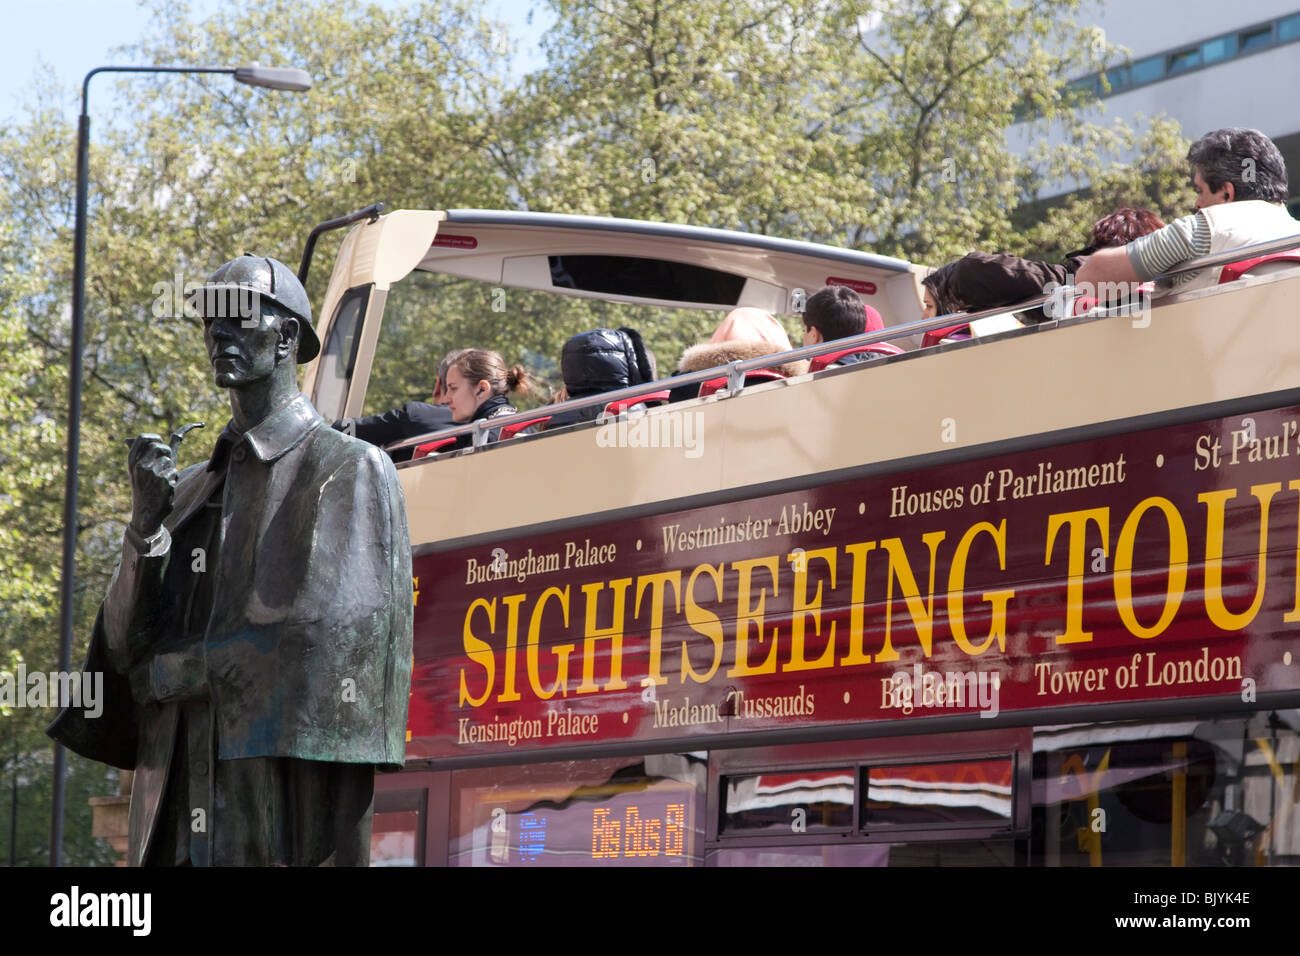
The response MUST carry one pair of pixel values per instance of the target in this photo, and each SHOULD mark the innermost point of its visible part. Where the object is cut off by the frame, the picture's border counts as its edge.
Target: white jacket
(1236, 224)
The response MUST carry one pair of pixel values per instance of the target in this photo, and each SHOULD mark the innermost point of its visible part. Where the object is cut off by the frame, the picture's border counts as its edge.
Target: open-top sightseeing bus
(1031, 598)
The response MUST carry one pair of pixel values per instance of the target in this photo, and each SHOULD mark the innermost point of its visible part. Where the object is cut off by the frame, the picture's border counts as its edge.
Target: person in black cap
(256, 637)
(602, 360)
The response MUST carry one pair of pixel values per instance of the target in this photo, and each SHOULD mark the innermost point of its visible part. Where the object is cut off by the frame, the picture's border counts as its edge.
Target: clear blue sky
(75, 36)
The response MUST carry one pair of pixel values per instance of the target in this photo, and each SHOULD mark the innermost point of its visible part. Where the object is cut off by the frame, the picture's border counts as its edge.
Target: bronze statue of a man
(256, 637)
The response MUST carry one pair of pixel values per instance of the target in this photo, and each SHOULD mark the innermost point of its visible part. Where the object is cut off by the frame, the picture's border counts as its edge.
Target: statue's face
(245, 348)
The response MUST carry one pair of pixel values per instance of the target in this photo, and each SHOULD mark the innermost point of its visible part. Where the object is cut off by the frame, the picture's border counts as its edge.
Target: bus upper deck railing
(735, 372)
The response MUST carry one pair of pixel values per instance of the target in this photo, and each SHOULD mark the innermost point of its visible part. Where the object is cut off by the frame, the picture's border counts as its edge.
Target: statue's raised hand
(152, 465)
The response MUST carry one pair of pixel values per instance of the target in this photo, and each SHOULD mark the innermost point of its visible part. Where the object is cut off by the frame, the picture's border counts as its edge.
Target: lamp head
(274, 78)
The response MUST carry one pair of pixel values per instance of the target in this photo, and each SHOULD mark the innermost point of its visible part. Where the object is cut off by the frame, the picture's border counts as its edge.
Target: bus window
(1212, 793)
(812, 801)
(939, 794)
(398, 831)
(636, 811)
(339, 354)
(646, 278)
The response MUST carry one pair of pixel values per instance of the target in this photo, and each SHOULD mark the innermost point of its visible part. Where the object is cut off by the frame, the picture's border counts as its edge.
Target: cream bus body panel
(1213, 348)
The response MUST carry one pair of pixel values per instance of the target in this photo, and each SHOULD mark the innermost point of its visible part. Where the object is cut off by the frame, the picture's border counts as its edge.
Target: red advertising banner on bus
(1141, 567)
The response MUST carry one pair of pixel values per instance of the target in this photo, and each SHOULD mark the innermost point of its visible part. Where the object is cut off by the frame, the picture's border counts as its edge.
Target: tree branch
(94, 373)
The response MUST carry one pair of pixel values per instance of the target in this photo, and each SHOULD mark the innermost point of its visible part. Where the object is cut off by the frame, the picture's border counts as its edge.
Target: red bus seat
(751, 378)
(935, 336)
(430, 447)
(1235, 270)
(510, 431)
(1086, 303)
(876, 348)
(623, 404)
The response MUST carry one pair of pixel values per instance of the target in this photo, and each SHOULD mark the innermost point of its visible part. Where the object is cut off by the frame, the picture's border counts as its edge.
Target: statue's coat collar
(273, 436)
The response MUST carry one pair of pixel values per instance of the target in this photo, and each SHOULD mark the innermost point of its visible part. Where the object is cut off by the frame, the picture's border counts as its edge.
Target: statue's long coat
(307, 651)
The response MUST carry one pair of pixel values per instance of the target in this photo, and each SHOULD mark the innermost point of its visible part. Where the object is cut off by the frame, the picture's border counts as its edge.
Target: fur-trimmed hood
(710, 354)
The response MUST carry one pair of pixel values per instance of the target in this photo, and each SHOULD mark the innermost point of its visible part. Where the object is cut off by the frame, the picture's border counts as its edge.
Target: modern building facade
(1206, 65)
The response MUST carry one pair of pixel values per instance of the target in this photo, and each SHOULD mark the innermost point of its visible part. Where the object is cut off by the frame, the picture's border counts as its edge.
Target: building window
(1214, 50)
(1116, 79)
(1220, 48)
(1256, 39)
(1148, 70)
(1087, 86)
(1184, 60)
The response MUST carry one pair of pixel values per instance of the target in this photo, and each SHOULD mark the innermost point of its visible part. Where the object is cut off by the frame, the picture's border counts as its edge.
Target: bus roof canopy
(650, 262)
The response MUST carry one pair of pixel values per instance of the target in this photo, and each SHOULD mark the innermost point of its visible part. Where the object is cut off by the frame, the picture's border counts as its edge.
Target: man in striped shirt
(1241, 191)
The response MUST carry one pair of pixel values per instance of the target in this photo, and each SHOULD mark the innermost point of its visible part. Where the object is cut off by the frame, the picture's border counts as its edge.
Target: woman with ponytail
(477, 385)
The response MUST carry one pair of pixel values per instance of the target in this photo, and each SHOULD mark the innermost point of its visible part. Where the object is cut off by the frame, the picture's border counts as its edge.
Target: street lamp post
(276, 79)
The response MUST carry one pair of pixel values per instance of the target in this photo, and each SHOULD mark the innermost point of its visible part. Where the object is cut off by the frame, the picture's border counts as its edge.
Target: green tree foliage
(876, 125)
(187, 171)
(861, 122)
(934, 88)
(1153, 175)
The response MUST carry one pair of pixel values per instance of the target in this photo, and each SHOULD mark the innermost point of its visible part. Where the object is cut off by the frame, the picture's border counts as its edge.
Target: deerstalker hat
(253, 278)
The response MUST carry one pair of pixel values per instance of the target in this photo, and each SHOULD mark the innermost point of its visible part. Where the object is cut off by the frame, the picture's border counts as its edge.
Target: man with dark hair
(256, 636)
(412, 419)
(1241, 191)
(1235, 164)
(836, 312)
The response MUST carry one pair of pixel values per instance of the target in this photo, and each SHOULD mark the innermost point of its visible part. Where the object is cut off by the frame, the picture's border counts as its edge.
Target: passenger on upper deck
(836, 312)
(413, 418)
(1241, 191)
(477, 384)
(937, 293)
(602, 360)
(981, 280)
(745, 333)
